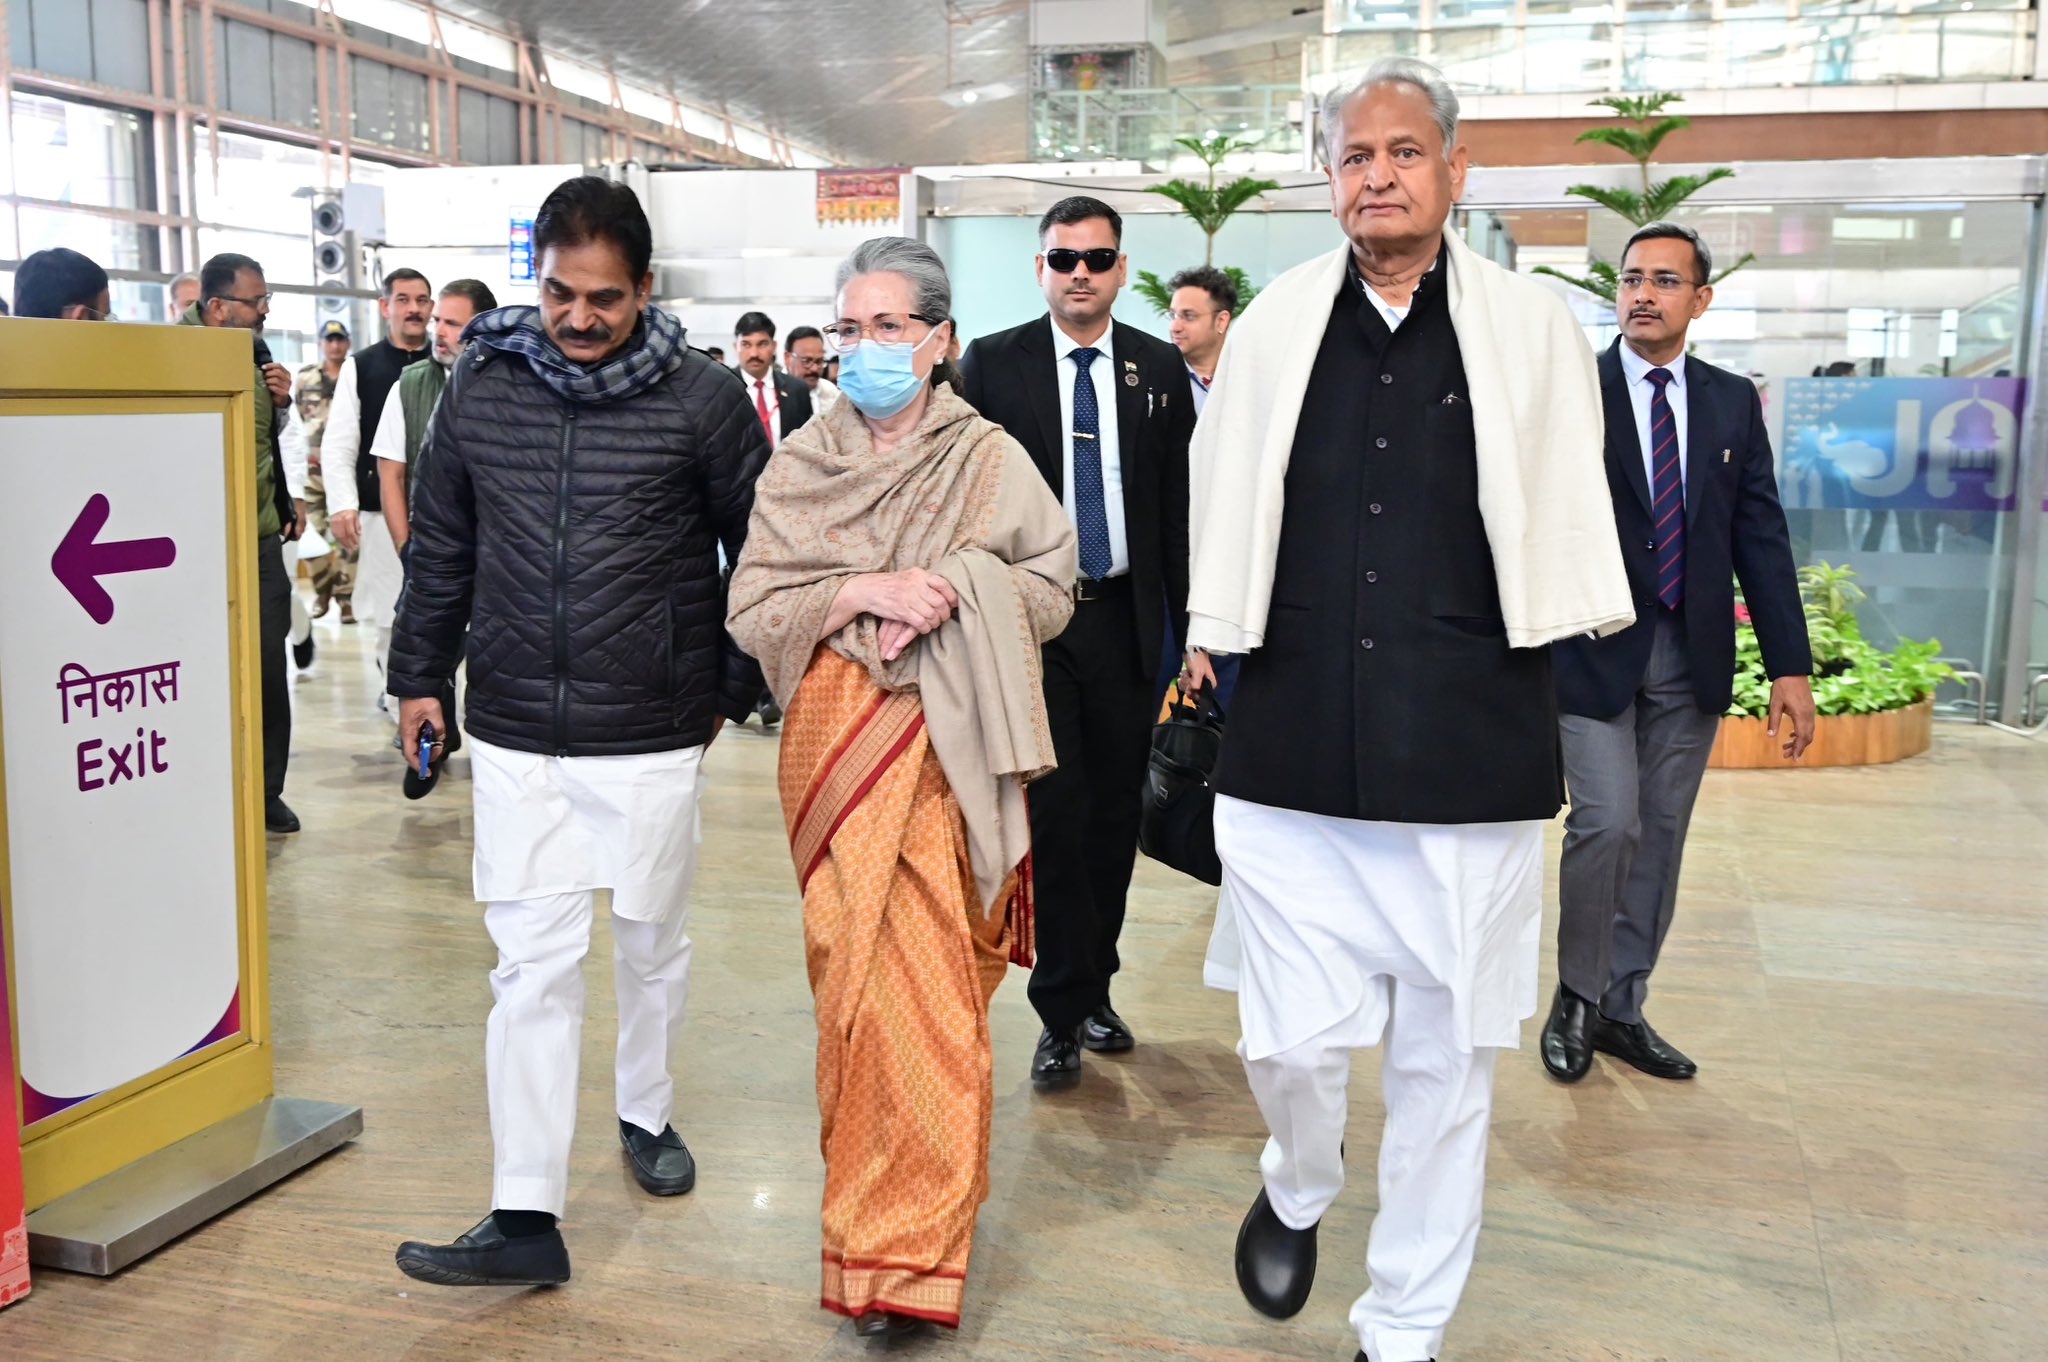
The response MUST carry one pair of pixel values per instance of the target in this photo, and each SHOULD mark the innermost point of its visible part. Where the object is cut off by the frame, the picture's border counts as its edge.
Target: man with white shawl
(1398, 501)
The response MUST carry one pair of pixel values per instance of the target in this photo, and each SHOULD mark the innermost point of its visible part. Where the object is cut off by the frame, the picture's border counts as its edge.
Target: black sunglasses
(1101, 260)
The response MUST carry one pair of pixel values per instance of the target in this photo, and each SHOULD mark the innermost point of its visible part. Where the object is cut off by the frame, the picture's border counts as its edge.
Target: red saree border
(855, 1286)
(856, 761)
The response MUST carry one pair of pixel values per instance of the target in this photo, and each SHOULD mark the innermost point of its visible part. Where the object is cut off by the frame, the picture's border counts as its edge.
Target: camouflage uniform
(334, 574)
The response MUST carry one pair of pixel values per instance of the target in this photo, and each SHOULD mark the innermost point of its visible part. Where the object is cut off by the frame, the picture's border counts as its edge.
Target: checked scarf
(653, 353)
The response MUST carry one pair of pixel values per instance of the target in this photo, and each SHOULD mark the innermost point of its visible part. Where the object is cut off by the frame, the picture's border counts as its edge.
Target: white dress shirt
(1394, 316)
(342, 441)
(1104, 372)
(764, 386)
(1637, 370)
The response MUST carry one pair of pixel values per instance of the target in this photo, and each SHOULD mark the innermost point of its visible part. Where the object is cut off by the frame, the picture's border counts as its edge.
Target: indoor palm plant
(1210, 205)
(1643, 127)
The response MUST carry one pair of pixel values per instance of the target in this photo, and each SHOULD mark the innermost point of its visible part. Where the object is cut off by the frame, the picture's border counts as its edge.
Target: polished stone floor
(1860, 965)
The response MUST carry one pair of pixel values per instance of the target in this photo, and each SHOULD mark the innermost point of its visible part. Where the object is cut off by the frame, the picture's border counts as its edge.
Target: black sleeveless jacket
(377, 368)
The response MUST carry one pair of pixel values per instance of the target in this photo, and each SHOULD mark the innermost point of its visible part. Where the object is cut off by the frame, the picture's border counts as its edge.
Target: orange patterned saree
(903, 962)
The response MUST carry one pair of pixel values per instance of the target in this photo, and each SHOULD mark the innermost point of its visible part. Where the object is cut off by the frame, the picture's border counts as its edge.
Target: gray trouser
(1632, 781)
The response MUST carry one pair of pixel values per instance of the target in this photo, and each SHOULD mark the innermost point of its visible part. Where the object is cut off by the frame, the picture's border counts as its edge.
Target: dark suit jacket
(1734, 528)
(1010, 378)
(794, 397)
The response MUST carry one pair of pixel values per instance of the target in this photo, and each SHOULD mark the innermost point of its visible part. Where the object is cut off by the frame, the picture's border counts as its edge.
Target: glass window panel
(21, 47)
(473, 141)
(63, 37)
(409, 127)
(1900, 470)
(244, 60)
(79, 153)
(295, 89)
(120, 43)
(370, 96)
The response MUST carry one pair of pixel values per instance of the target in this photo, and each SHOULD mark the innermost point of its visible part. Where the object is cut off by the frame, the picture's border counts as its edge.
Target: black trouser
(274, 624)
(1084, 816)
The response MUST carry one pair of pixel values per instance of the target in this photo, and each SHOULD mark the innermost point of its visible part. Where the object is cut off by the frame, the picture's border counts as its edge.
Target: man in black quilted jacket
(587, 467)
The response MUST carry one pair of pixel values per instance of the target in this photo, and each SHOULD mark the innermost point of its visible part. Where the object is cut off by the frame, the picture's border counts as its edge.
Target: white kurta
(379, 574)
(1316, 910)
(563, 825)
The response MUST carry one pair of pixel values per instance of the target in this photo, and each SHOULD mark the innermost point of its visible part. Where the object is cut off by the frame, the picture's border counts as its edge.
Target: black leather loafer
(1105, 1032)
(1056, 1063)
(661, 1163)
(278, 816)
(485, 1257)
(1276, 1266)
(1567, 1037)
(1639, 1045)
(884, 1324)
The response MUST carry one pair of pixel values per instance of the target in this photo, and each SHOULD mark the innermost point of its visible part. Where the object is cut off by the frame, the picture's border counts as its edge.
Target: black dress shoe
(1567, 1037)
(1105, 1031)
(302, 653)
(278, 816)
(485, 1257)
(1276, 1266)
(1637, 1044)
(1056, 1063)
(770, 712)
(884, 1324)
(661, 1163)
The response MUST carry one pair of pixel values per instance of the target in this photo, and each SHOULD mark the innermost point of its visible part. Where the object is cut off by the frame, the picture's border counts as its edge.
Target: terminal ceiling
(862, 80)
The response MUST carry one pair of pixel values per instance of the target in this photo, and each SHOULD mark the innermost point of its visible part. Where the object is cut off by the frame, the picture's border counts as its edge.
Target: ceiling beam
(1307, 24)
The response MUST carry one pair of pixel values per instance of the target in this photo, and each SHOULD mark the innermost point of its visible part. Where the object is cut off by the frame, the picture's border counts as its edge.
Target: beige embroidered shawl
(960, 498)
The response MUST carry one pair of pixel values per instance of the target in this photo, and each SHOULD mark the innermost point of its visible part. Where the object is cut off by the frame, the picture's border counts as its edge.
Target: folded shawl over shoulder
(1537, 425)
(959, 498)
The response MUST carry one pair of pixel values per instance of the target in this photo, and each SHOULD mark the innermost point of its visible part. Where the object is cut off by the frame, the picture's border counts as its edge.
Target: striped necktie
(1667, 494)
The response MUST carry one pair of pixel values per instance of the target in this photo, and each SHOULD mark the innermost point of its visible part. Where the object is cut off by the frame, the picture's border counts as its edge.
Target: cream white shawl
(1537, 423)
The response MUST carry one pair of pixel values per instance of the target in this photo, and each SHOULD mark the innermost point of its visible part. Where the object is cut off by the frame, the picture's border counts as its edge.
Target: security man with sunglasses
(1103, 410)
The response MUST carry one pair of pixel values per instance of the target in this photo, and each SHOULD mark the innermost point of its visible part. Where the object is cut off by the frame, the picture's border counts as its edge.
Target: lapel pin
(1130, 380)
(1724, 455)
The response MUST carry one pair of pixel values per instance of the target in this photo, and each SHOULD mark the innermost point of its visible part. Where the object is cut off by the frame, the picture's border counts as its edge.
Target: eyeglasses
(843, 337)
(1191, 317)
(1101, 260)
(1633, 282)
(260, 300)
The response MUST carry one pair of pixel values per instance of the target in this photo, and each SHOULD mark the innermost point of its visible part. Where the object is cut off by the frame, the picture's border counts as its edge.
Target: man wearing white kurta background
(354, 501)
(1395, 507)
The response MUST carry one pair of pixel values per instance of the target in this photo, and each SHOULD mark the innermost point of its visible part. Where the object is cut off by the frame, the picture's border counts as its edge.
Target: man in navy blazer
(1696, 503)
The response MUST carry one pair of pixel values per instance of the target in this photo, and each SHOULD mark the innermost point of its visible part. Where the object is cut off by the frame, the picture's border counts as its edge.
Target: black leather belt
(1093, 589)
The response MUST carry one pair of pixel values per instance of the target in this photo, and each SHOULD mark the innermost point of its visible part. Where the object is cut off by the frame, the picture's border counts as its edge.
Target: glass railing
(1140, 124)
(1595, 48)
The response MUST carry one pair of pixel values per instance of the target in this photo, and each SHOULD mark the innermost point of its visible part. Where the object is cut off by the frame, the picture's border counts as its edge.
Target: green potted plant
(1210, 205)
(1875, 704)
(1643, 128)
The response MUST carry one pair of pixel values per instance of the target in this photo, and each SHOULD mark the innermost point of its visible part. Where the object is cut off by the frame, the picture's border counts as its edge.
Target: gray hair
(1676, 231)
(915, 261)
(171, 289)
(1443, 100)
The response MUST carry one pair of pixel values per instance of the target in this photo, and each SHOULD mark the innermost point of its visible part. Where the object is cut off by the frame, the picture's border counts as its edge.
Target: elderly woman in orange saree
(903, 564)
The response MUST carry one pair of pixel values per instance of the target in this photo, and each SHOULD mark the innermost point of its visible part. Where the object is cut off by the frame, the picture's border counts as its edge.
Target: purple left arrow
(80, 561)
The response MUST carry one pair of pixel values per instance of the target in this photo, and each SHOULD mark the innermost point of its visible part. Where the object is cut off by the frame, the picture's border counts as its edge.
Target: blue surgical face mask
(879, 378)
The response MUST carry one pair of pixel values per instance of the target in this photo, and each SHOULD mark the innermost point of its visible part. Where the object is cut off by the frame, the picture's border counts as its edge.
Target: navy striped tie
(1667, 494)
(1091, 504)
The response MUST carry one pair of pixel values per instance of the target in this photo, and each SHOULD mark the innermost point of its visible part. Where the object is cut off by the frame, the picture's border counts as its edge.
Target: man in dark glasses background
(1103, 410)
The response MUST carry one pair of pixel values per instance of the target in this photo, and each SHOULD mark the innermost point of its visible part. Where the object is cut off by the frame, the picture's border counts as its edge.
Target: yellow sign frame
(83, 368)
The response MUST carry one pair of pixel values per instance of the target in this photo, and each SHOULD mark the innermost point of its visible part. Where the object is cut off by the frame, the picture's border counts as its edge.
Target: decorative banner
(859, 196)
(1901, 443)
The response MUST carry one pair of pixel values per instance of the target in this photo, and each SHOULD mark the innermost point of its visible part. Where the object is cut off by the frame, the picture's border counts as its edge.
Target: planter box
(1838, 740)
